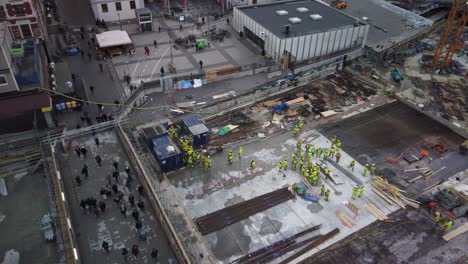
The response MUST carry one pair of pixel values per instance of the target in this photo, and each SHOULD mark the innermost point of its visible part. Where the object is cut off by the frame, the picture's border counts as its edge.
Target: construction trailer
(166, 152)
(192, 125)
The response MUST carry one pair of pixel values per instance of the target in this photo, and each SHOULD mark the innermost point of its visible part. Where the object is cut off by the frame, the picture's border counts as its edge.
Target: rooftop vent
(316, 17)
(281, 12)
(302, 9)
(294, 20)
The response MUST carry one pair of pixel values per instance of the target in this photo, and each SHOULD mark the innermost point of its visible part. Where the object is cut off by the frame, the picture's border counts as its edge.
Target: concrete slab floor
(20, 213)
(201, 193)
(111, 226)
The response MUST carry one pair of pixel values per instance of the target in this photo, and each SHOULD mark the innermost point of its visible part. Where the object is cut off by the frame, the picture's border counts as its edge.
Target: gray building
(298, 33)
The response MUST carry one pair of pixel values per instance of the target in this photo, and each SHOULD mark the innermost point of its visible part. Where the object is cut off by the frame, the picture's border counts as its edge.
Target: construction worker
(327, 195)
(294, 162)
(333, 139)
(327, 172)
(306, 173)
(361, 191)
(373, 168)
(447, 225)
(364, 171)
(326, 154)
(293, 155)
(285, 164)
(314, 178)
(310, 166)
(230, 156)
(355, 192)
(307, 148)
(205, 164)
(252, 165)
(302, 154)
(299, 144)
(332, 151)
(338, 144)
(209, 162)
(309, 157)
(301, 163)
(190, 162)
(438, 217)
(296, 131)
(338, 157)
(301, 124)
(322, 190)
(280, 165)
(241, 151)
(351, 165)
(313, 149)
(319, 152)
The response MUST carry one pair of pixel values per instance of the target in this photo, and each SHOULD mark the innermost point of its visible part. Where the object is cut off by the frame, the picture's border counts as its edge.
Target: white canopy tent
(113, 38)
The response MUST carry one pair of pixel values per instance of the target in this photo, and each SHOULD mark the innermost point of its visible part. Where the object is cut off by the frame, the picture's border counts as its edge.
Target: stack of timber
(392, 194)
(230, 215)
(375, 212)
(345, 219)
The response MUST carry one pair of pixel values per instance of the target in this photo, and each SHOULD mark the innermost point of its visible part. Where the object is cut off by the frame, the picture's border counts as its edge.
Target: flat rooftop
(266, 16)
(387, 23)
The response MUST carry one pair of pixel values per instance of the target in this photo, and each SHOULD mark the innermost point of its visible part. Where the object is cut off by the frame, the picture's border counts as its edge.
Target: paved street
(111, 226)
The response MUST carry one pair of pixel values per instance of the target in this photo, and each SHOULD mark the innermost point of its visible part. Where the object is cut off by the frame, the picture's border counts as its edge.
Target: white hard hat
(367, 164)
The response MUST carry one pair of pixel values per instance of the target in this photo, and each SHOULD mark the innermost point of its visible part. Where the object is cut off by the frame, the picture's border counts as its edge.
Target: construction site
(357, 153)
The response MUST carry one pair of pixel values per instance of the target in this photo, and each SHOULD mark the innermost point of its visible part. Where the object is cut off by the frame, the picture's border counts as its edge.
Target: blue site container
(167, 154)
(194, 126)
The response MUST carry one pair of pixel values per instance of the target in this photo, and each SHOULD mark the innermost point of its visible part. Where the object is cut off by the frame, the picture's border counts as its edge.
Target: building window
(118, 6)
(104, 8)
(132, 5)
(3, 80)
(26, 31)
(19, 10)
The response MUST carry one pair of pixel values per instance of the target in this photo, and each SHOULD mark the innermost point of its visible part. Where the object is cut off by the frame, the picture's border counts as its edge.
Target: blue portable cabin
(166, 152)
(194, 126)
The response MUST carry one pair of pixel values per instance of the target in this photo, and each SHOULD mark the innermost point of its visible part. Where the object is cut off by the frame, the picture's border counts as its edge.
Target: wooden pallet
(460, 230)
(353, 208)
(371, 208)
(345, 219)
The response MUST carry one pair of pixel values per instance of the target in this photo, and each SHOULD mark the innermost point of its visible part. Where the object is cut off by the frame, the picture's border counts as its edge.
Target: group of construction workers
(447, 223)
(297, 128)
(356, 190)
(193, 156)
(253, 165)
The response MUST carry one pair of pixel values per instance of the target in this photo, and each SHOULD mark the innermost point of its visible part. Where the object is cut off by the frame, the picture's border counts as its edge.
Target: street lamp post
(120, 24)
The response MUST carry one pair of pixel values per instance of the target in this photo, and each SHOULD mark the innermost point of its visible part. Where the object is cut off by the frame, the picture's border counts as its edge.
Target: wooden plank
(375, 212)
(415, 179)
(270, 103)
(379, 193)
(425, 168)
(328, 113)
(460, 230)
(295, 101)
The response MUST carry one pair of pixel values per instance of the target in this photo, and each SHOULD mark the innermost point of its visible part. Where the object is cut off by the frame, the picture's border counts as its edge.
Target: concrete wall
(5, 61)
(113, 15)
(307, 46)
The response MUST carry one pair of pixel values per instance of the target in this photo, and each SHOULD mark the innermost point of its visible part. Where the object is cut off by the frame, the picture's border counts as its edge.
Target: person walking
(91, 88)
(352, 164)
(102, 206)
(361, 191)
(136, 215)
(147, 51)
(116, 175)
(201, 64)
(83, 151)
(105, 246)
(355, 192)
(322, 190)
(123, 210)
(252, 165)
(141, 191)
(125, 254)
(155, 255)
(116, 165)
(338, 157)
(241, 152)
(97, 141)
(327, 195)
(135, 250)
(115, 188)
(100, 67)
(78, 180)
(98, 160)
(131, 200)
(364, 171)
(181, 28)
(230, 157)
(84, 171)
(89, 56)
(141, 205)
(78, 151)
(155, 44)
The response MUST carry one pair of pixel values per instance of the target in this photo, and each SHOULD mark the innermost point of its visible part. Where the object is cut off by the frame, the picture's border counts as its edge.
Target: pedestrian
(131, 200)
(136, 215)
(100, 107)
(116, 165)
(102, 206)
(138, 225)
(135, 250)
(89, 56)
(116, 175)
(201, 64)
(104, 118)
(78, 180)
(155, 255)
(140, 190)
(181, 28)
(83, 151)
(97, 141)
(159, 28)
(155, 44)
(73, 77)
(128, 182)
(91, 88)
(162, 71)
(105, 246)
(100, 67)
(84, 171)
(203, 20)
(108, 179)
(123, 210)
(98, 160)
(141, 205)
(125, 254)
(115, 188)
(146, 51)
(89, 44)
(78, 151)
(83, 205)
(227, 20)
(127, 170)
